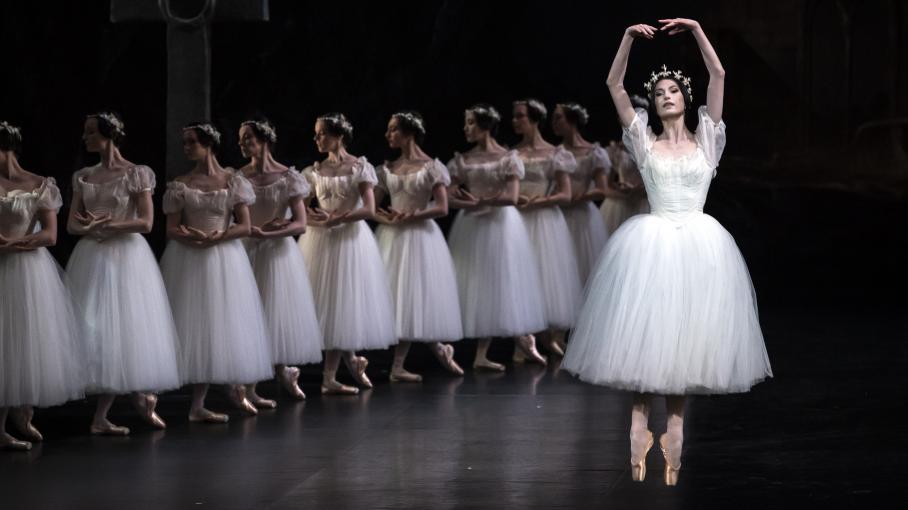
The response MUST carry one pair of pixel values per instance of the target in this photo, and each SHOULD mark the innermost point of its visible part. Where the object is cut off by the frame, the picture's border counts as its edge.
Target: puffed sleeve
(174, 197)
(511, 165)
(139, 179)
(49, 198)
(638, 137)
(563, 161)
(711, 137)
(77, 178)
(438, 174)
(601, 160)
(297, 185)
(363, 171)
(240, 191)
(454, 166)
(382, 173)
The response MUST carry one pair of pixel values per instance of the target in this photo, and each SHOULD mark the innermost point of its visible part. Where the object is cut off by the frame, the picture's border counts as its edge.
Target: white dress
(283, 281)
(551, 239)
(41, 361)
(616, 211)
(348, 279)
(213, 294)
(498, 279)
(670, 308)
(419, 265)
(584, 220)
(130, 336)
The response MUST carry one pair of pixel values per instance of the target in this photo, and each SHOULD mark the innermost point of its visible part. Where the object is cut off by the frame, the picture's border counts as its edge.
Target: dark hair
(262, 129)
(207, 134)
(487, 117)
(575, 114)
(10, 137)
(110, 125)
(411, 123)
(337, 125)
(654, 120)
(535, 109)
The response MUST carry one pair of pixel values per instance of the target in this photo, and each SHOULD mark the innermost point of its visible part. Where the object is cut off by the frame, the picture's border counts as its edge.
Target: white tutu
(283, 282)
(588, 234)
(423, 285)
(616, 211)
(560, 279)
(218, 313)
(497, 274)
(130, 336)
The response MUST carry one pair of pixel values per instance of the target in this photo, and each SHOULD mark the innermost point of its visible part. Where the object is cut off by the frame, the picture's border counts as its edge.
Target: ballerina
(114, 276)
(41, 359)
(670, 307)
(278, 265)
(213, 294)
(588, 183)
(348, 279)
(498, 278)
(419, 265)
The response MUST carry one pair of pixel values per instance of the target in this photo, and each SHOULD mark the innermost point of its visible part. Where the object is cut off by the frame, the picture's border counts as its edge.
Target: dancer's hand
(336, 219)
(275, 224)
(642, 30)
(490, 199)
(678, 25)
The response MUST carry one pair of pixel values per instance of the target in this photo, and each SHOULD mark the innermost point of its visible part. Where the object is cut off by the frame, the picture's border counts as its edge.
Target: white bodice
(273, 200)
(676, 187)
(539, 176)
(486, 177)
(19, 209)
(340, 193)
(413, 191)
(208, 210)
(113, 197)
(587, 165)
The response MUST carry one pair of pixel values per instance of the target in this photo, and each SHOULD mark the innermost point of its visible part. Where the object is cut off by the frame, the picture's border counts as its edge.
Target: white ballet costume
(283, 281)
(216, 306)
(498, 278)
(130, 337)
(551, 239)
(583, 219)
(418, 263)
(348, 279)
(616, 211)
(41, 360)
(670, 307)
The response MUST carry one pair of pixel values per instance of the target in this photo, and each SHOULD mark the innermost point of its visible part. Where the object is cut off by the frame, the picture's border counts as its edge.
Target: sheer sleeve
(49, 198)
(638, 137)
(438, 174)
(363, 171)
(563, 161)
(240, 191)
(454, 167)
(139, 179)
(600, 159)
(711, 138)
(511, 165)
(297, 184)
(174, 197)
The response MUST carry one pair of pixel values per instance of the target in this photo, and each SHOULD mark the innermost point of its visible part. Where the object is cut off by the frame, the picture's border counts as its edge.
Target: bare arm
(283, 228)
(715, 92)
(47, 236)
(143, 221)
(615, 78)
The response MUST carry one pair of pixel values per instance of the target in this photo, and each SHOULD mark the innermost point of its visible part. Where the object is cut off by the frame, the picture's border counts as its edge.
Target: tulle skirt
(670, 309)
(41, 359)
(616, 211)
(130, 337)
(218, 314)
(554, 249)
(423, 286)
(350, 288)
(588, 234)
(283, 282)
(498, 278)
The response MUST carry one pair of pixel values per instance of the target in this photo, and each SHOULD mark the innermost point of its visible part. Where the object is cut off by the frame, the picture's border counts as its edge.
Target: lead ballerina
(670, 307)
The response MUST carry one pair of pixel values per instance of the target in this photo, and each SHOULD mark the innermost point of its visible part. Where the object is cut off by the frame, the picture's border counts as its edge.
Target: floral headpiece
(111, 119)
(412, 119)
(339, 120)
(263, 127)
(208, 129)
(534, 104)
(11, 129)
(582, 115)
(665, 73)
(490, 112)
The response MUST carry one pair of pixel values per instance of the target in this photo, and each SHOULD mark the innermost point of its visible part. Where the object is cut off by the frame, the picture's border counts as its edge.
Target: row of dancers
(235, 300)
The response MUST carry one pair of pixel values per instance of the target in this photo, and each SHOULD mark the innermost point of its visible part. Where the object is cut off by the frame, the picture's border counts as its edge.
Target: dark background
(812, 184)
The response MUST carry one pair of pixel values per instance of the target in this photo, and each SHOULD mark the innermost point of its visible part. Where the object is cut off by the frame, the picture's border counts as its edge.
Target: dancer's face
(394, 135)
(520, 120)
(560, 124)
(325, 141)
(92, 138)
(669, 99)
(192, 148)
(250, 146)
(471, 129)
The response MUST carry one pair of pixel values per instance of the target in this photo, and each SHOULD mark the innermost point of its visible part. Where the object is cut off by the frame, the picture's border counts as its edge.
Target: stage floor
(820, 434)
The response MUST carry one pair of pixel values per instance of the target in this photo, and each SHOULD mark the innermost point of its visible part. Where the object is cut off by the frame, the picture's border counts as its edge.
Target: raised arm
(615, 78)
(715, 92)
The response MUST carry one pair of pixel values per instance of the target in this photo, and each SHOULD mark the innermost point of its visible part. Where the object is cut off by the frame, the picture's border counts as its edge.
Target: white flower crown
(582, 113)
(534, 104)
(111, 119)
(264, 127)
(9, 128)
(413, 119)
(665, 73)
(488, 112)
(339, 119)
(207, 129)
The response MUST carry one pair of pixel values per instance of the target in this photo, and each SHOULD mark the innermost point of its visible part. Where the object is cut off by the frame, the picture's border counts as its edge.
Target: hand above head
(642, 30)
(678, 25)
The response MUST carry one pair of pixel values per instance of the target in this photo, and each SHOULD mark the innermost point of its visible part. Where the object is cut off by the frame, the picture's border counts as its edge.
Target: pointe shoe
(261, 403)
(8, 442)
(553, 348)
(237, 395)
(206, 416)
(671, 472)
(333, 387)
(23, 421)
(147, 404)
(403, 375)
(527, 344)
(290, 381)
(638, 458)
(446, 356)
(518, 357)
(358, 369)
(485, 364)
(108, 429)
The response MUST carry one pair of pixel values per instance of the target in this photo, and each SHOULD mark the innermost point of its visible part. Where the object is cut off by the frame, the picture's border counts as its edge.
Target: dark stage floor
(821, 434)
